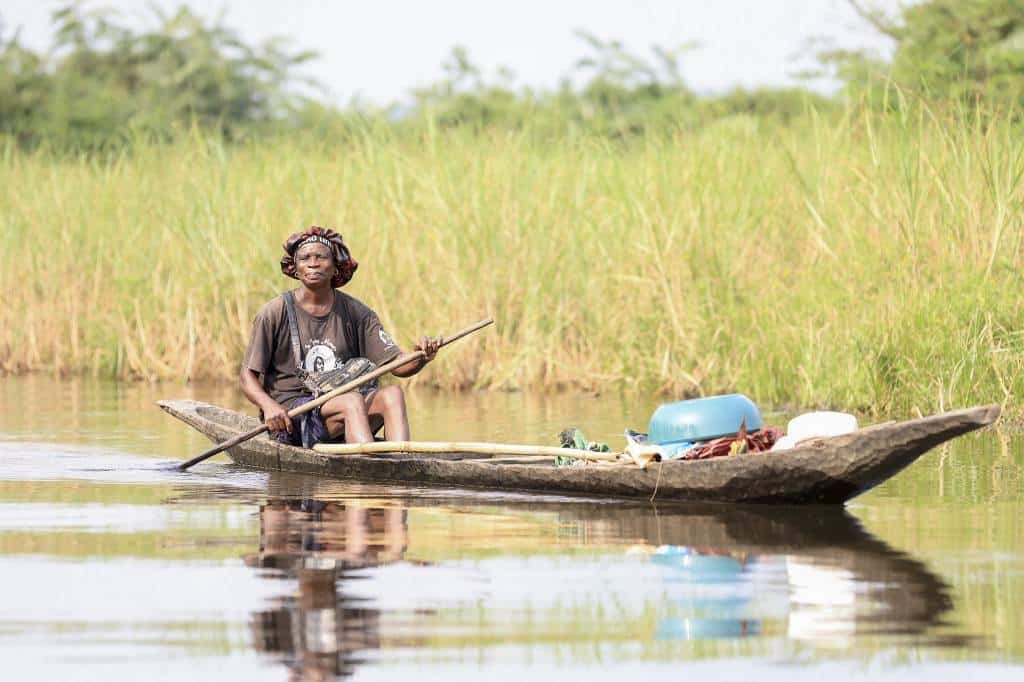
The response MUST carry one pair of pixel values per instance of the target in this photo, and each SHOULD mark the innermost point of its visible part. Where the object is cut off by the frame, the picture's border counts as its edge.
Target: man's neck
(319, 297)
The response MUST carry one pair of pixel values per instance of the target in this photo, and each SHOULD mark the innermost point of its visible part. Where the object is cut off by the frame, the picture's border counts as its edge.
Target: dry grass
(865, 263)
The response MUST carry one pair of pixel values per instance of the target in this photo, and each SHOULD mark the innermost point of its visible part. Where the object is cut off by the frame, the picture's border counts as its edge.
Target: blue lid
(703, 419)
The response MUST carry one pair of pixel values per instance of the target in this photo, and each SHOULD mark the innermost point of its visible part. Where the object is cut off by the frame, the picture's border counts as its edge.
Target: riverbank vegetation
(862, 252)
(848, 262)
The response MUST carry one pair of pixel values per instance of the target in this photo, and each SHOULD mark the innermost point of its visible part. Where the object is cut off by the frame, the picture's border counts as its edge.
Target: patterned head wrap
(343, 260)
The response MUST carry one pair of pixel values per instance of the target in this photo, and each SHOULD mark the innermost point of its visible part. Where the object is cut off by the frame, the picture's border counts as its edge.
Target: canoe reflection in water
(539, 579)
(319, 631)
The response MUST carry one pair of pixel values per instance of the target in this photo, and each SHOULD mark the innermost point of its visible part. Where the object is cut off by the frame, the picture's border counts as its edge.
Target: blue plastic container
(703, 419)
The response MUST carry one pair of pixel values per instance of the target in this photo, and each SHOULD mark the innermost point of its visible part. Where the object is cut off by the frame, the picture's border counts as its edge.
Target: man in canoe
(315, 331)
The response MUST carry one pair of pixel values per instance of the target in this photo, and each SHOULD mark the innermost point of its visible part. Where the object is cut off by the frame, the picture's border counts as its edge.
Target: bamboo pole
(428, 447)
(539, 459)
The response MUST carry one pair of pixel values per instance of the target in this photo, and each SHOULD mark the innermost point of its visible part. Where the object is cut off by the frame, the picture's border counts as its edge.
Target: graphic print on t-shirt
(385, 338)
(320, 356)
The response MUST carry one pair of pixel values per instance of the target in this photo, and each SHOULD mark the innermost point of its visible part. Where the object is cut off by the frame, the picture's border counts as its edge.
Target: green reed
(861, 262)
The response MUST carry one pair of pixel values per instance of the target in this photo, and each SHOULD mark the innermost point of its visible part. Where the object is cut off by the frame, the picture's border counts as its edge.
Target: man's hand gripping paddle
(313, 404)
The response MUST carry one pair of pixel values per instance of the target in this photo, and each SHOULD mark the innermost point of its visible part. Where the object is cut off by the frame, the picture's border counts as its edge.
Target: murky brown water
(115, 569)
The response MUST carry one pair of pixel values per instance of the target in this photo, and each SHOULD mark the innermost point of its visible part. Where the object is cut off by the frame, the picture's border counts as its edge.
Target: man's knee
(392, 398)
(345, 404)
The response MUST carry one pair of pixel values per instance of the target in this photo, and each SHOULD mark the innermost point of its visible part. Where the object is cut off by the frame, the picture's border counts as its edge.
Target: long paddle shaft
(313, 404)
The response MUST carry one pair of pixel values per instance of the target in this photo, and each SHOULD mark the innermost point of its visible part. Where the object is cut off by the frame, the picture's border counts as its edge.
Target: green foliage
(610, 92)
(464, 97)
(22, 85)
(626, 93)
(964, 49)
(954, 51)
(104, 83)
(859, 262)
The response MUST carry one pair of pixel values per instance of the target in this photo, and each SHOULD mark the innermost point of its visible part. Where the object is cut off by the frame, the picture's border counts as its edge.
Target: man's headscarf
(343, 260)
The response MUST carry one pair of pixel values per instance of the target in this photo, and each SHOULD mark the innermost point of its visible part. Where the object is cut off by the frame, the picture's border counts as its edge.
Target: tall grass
(861, 262)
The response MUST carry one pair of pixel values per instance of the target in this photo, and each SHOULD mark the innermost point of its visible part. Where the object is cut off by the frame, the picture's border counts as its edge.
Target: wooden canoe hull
(824, 471)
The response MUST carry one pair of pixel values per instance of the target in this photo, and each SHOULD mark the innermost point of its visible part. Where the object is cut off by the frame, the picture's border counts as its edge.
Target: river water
(114, 568)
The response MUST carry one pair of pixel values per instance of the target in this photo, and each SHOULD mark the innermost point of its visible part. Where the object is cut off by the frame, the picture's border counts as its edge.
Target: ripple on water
(117, 566)
(33, 461)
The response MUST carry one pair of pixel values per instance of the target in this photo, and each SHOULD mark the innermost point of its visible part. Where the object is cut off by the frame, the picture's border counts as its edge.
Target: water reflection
(317, 632)
(331, 577)
(368, 575)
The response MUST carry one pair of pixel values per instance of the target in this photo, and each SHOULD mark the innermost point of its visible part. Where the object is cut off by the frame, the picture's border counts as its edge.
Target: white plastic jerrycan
(816, 425)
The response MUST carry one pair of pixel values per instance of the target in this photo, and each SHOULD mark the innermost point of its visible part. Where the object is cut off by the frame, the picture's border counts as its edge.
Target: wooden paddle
(355, 383)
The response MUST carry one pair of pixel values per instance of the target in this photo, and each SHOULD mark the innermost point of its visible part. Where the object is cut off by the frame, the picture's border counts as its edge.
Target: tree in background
(966, 51)
(23, 85)
(610, 92)
(103, 81)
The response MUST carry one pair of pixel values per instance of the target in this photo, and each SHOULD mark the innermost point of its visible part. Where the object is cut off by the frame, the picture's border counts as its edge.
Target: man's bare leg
(353, 413)
(389, 404)
(348, 413)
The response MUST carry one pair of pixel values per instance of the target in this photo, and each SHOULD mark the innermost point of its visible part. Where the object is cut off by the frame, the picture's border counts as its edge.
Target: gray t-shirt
(322, 341)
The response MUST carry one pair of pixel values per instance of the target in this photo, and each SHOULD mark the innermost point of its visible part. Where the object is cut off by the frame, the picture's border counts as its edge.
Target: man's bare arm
(428, 345)
(274, 415)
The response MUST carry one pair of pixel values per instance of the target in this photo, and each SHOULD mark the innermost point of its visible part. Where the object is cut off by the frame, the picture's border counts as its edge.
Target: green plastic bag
(574, 438)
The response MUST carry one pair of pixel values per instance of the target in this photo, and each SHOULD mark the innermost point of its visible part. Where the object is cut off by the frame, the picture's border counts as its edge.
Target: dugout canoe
(822, 471)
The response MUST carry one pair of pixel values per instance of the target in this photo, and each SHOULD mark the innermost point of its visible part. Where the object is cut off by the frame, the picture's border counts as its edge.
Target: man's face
(314, 265)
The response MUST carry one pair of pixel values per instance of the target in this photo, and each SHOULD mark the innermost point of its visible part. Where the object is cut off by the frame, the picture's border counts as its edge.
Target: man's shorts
(308, 428)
